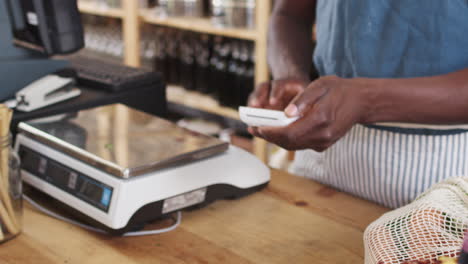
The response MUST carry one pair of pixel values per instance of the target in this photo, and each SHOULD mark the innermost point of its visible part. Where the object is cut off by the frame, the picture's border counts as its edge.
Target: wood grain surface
(293, 220)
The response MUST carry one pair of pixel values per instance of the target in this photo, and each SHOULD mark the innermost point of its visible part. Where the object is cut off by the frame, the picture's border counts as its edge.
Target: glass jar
(233, 13)
(175, 8)
(113, 3)
(218, 13)
(193, 8)
(240, 13)
(11, 203)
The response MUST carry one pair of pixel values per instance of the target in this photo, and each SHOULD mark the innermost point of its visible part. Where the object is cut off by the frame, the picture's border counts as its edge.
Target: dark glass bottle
(249, 76)
(203, 51)
(173, 56)
(242, 79)
(215, 75)
(187, 61)
(160, 61)
(232, 90)
(224, 83)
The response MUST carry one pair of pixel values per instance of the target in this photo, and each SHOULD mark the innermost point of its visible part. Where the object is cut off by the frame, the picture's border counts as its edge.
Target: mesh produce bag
(431, 226)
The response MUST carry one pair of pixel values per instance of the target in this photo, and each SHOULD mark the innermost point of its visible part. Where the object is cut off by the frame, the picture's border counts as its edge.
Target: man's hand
(327, 110)
(276, 94)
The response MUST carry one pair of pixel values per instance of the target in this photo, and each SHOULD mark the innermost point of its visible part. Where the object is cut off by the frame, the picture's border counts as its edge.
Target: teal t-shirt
(391, 38)
(390, 165)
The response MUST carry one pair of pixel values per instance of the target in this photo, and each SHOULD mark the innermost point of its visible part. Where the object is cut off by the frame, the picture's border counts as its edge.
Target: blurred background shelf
(201, 25)
(99, 10)
(133, 19)
(178, 94)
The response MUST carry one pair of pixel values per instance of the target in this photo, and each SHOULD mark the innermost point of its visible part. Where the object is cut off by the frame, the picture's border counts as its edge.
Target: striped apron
(390, 164)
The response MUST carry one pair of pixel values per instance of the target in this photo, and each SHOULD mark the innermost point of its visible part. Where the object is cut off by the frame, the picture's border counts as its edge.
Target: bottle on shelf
(187, 61)
(160, 58)
(230, 91)
(217, 66)
(241, 72)
(173, 39)
(242, 79)
(249, 81)
(203, 52)
(215, 77)
(222, 85)
(148, 46)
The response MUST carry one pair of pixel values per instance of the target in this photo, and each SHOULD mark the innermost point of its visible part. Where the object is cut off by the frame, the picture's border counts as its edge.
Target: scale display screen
(71, 181)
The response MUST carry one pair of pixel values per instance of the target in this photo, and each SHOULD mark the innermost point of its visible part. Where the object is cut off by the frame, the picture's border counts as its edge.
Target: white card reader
(258, 117)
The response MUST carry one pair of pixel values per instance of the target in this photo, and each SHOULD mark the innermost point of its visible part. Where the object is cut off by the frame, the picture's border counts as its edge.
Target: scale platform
(122, 168)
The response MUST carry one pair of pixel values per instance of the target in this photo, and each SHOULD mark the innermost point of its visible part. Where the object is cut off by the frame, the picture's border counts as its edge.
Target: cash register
(115, 172)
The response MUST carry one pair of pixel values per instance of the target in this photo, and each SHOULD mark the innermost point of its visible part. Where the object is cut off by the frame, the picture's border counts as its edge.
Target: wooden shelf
(177, 94)
(95, 9)
(133, 17)
(202, 25)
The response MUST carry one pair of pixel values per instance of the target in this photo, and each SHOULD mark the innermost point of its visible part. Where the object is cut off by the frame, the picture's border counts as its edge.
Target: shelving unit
(94, 9)
(202, 25)
(132, 17)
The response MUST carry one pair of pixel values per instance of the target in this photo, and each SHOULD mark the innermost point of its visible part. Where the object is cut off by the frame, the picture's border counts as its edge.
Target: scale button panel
(83, 187)
(72, 178)
(106, 196)
(42, 165)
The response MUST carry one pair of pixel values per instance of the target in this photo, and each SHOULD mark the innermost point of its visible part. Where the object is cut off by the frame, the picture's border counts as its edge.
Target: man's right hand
(276, 94)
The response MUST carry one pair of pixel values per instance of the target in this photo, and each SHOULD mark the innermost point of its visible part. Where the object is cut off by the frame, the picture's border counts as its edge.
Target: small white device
(258, 117)
(122, 174)
(45, 91)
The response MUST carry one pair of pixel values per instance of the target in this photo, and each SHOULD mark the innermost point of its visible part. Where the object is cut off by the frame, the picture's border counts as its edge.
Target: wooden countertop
(293, 220)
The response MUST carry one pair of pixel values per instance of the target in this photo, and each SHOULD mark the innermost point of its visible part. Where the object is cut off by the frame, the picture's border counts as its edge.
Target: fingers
(304, 101)
(254, 131)
(286, 139)
(283, 91)
(276, 94)
(312, 130)
(259, 97)
(325, 114)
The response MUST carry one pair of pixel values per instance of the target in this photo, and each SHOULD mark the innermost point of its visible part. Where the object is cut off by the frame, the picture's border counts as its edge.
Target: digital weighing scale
(124, 171)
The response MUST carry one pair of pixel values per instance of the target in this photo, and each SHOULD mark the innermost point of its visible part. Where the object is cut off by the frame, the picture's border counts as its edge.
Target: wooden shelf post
(263, 10)
(131, 32)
